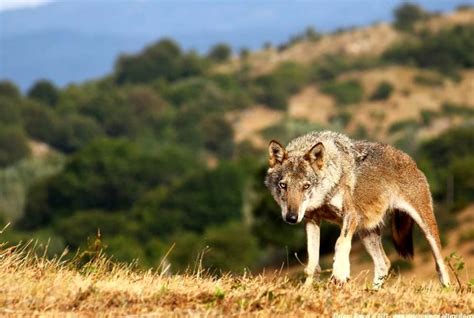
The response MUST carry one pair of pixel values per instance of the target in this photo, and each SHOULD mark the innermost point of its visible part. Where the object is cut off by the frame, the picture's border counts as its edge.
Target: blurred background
(139, 128)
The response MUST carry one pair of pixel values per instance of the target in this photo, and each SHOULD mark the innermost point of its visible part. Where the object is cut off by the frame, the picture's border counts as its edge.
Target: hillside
(415, 90)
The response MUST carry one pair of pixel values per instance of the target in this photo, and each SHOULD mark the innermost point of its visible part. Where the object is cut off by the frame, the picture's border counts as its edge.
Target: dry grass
(35, 286)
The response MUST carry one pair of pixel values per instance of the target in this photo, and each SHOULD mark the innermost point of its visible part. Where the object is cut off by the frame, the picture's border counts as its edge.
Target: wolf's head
(295, 181)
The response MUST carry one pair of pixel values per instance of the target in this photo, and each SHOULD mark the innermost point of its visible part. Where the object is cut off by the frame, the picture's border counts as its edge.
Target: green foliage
(83, 226)
(450, 157)
(244, 53)
(274, 89)
(13, 145)
(428, 79)
(220, 52)
(40, 122)
(10, 111)
(330, 66)
(453, 109)
(383, 91)
(402, 125)
(108, 175)
(218, 136)
(187, 207)
(446, 51)
(44, 91)
(427, 117)
(9, 89)
(188, 247)
(406, 15)
(162, 60)
(341, 119)
(345, 92)
(231, 248)
(74, 132)
(17, 179)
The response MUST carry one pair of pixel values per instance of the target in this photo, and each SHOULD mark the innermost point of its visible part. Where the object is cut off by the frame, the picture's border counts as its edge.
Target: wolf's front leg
(341, 268)
(313, 236)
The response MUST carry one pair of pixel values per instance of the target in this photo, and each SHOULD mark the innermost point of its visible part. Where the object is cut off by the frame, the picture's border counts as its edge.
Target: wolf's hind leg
(372, 241)
(424, 217)
(313, 236)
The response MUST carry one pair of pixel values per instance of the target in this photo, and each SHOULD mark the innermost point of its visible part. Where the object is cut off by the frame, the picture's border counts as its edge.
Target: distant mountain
(70, 41)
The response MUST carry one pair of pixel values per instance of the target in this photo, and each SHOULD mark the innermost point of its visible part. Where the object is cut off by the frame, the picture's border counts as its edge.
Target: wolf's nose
(291, 218)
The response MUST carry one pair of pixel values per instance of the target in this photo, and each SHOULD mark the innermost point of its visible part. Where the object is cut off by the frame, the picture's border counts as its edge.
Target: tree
(220, 53)
(162, 60)
(40, 121)
(448, 157)
(218, 136)
(44, 91)
(13, 145)
(74, 132)
(10, 111)
(407, 14)
(107, 175)
(9, 89)
(231, 247)
(187, 206)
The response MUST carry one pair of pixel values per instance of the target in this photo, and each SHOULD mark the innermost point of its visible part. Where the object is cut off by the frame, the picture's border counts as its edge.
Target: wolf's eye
(282, 185)
(306, 186)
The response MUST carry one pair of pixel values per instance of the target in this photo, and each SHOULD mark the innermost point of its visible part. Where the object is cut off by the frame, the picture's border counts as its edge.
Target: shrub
(109, 175)
(402, 125)
(345, 92)
(330, 66)
(274, 89)
(17, 179)
(162, 60)
(220, 53)
(9, 89)
(446, 51)
(383, 91)
(77, 229)
(341, 119)
(452, 109)
(449, 158)
(40, 122)
(427, 117)
(10, 112)
(218, 136)
(44, 91)
(74, 132)
(244, 53)
(231, 248)
(406, 15)
(186, 206)
(428, 79)
(13, 145)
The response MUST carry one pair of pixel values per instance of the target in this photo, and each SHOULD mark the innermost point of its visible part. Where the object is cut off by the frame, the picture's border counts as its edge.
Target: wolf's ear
(316, 155)
(277, 153)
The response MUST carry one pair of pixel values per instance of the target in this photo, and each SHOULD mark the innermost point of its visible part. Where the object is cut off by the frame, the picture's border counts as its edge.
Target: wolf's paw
(338, 281)
(341, 271)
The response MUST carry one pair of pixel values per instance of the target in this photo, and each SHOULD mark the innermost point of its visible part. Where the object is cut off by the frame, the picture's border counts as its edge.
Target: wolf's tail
(402, 228)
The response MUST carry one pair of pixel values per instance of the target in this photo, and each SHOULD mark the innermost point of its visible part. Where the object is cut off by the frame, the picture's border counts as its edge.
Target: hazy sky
(17, 4)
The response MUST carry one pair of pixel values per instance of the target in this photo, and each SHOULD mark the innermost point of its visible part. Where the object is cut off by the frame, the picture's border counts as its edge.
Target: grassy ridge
(33, 285)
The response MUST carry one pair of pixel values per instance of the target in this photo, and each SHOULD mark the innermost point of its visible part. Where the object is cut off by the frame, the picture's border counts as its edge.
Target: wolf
(357, 185)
